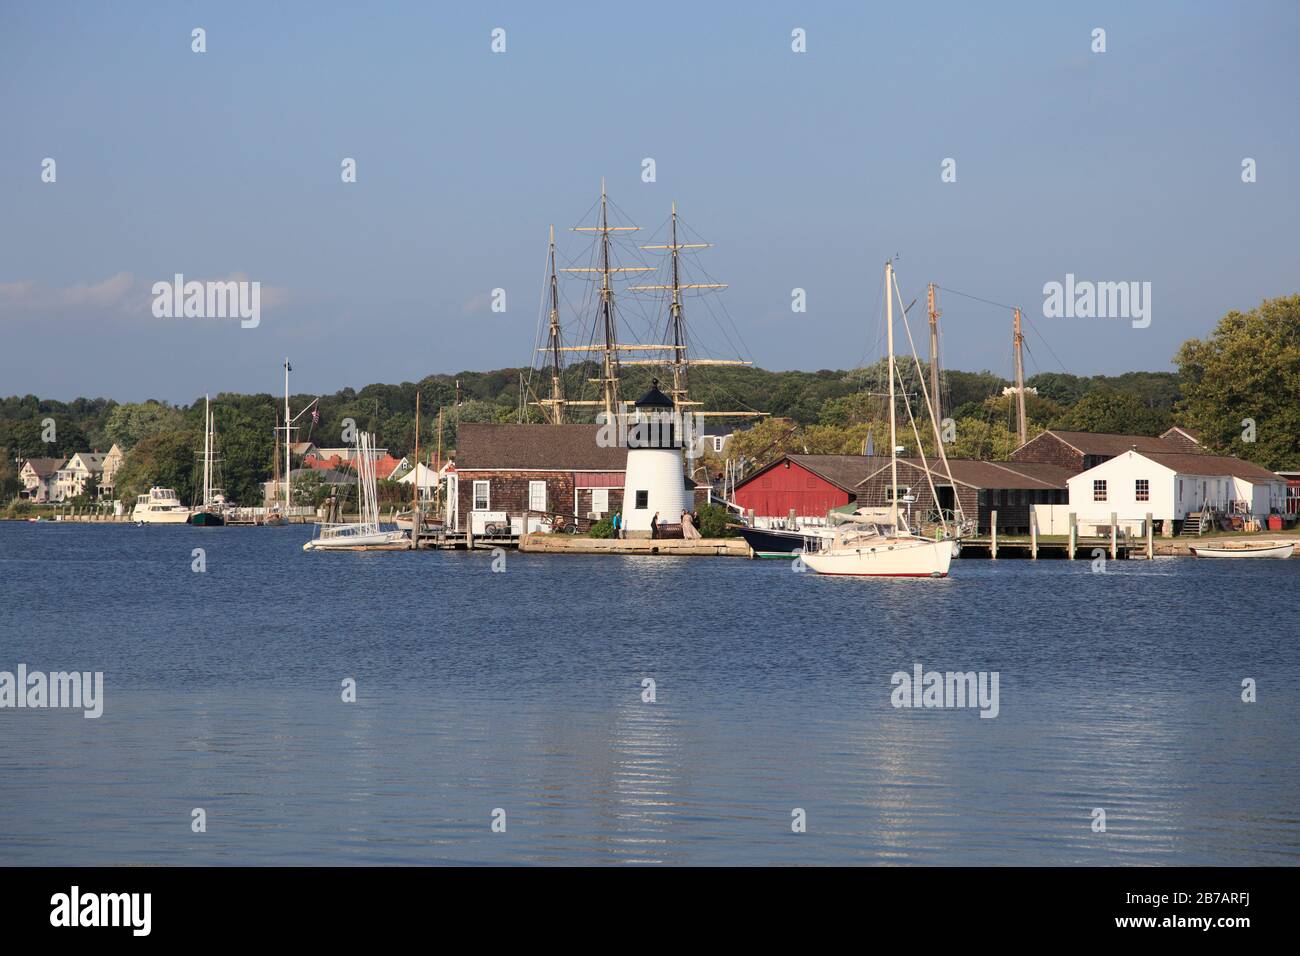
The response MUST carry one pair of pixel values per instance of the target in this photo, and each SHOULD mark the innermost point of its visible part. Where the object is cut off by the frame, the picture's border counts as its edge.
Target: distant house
(1079, 451)
(1170, 486)
(38, 476)
(716, 438)
(76, 474)
(108, 476)
(385, 464)
(501, 472)
(301, 449)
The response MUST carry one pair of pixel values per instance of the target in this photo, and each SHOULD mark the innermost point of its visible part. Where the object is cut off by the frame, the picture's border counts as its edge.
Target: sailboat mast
(893, 428)
(417, 455)
(207, 453)
(557, 390)
(1019, 338)
(609, 371)
(288, 458)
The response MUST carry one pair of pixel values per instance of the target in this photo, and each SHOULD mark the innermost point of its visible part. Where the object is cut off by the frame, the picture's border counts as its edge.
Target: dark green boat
(207, 519)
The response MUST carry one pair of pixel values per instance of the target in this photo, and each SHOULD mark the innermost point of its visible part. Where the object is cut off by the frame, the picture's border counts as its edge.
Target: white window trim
(487, 495)
(532, 485)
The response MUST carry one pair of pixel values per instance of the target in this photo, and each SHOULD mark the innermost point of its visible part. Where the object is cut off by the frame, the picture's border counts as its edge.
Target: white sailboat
(879, 544)
(365, 534)
(211, 509)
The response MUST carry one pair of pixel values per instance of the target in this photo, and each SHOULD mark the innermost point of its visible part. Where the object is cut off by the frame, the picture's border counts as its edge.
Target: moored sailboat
(211, 509)
(365, 534)
(879, 544)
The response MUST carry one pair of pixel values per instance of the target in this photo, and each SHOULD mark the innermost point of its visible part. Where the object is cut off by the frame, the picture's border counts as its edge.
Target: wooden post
(1074, 534)
(993, 535)
(1114, 536)
(791, 526)
(1151, 541)
(1033, 533)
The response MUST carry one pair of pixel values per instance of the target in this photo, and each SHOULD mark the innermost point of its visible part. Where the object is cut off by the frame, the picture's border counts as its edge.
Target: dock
(576, 544)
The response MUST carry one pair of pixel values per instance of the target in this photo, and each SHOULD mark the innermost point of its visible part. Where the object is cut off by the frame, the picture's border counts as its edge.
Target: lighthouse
(655, 483)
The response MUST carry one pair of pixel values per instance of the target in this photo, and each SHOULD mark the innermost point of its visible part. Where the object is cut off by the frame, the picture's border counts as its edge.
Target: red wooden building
(811, 485)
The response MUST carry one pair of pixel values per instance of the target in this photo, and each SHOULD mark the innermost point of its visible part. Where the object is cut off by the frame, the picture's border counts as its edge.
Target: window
(1099, 489)
(481, 498)
(600, 500)
(643, 500)
(1142, 489)
(537, 496)
(903, 492)
(717, 443)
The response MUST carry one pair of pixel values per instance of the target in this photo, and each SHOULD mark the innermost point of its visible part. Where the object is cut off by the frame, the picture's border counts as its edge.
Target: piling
(1074, 534)
(1033, 534)
(1151, 541)
(993, 535)
(1114, 537)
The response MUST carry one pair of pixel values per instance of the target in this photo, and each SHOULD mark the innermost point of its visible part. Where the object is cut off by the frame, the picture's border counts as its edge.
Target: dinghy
(1282, 550)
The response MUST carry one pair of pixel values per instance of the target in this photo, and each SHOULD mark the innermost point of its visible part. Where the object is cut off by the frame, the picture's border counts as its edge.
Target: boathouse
(808, 485)
(982, 488)
(1173, 487)
(503, 471)
(1079, 451)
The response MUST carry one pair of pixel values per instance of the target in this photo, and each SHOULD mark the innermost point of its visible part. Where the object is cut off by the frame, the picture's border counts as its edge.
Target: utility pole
(937, 411)
(1018, 338)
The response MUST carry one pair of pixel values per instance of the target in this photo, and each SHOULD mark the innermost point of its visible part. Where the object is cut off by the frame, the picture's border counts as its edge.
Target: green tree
(165, 460)
(134, 422)
(1105, 409)
(1248, 370)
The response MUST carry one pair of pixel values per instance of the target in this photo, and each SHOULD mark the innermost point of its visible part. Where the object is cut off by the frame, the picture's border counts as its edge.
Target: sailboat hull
(906, 559)
(207, 519)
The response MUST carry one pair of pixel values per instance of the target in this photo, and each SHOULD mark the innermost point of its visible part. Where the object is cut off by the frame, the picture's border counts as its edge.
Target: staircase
(1191, 525)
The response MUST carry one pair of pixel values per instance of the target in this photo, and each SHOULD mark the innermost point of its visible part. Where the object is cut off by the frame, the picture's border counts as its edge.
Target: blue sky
(806, 170)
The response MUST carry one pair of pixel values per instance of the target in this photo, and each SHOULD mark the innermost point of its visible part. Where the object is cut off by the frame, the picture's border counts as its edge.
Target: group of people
(690, 525)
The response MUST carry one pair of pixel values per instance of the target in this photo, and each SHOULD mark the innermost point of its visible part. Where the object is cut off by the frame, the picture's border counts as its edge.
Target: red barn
(810, 484)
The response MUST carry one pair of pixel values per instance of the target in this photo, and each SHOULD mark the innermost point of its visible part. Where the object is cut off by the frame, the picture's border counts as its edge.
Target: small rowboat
(1246, 551)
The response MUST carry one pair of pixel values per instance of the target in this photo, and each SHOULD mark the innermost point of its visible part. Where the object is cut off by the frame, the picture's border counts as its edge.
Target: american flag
(315, 416)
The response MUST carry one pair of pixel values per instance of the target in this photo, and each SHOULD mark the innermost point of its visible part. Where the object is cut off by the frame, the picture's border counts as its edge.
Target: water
(522, 691)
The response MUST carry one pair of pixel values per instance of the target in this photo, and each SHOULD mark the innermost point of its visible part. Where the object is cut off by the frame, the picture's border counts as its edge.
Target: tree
(165, 460)
(1247, 372)
(1105, 409)
(134, 422)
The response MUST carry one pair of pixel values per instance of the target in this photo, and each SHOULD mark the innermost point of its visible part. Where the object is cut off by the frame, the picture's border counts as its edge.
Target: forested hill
(1238, 387)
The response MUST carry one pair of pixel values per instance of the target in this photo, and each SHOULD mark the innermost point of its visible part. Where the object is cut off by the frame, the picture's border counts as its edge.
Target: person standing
(616, 522)
(654, 525)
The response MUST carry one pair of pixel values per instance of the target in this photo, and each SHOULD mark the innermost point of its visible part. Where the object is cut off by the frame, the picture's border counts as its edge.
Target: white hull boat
(366, 534)
(1245, 551)
(160, 506)
(886, 557)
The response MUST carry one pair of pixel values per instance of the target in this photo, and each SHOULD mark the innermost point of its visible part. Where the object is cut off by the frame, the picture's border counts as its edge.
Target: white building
(39, 476)
(655, 482)
(73, 476)
(1170, 486)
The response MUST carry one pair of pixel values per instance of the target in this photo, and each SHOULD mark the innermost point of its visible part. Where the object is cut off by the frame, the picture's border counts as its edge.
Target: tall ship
(653, 316)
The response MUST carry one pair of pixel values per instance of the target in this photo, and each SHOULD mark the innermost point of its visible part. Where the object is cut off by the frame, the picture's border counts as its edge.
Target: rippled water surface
(523, 690)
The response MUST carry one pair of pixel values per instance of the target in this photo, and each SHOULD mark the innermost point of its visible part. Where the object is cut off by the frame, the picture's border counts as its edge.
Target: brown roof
(843, 471)
(44, 467)
(486, 447)
(1195, 463)
(1102, 443)
(1032, 476)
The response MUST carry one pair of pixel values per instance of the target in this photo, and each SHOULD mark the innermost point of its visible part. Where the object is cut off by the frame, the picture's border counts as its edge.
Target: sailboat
(365, 534)
(210, 511)
(877, 542)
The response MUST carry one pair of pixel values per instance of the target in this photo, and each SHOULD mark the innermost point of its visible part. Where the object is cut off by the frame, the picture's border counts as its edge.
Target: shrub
(604, 528)
(717, 522)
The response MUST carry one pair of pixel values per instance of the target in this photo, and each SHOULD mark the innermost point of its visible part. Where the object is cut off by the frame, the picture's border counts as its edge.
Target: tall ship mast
(675, 357)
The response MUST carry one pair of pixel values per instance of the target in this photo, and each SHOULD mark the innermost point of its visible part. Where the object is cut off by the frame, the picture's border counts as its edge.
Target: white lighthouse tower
(655, 483)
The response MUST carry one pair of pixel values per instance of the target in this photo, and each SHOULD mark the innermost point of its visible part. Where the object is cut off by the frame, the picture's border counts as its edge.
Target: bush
(717, 522)
(604, 528)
